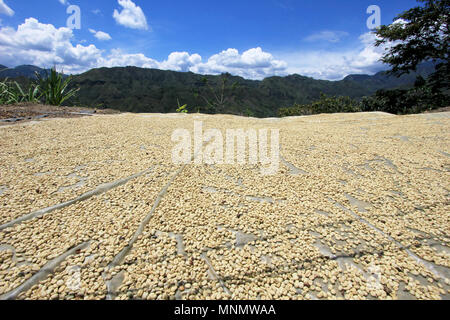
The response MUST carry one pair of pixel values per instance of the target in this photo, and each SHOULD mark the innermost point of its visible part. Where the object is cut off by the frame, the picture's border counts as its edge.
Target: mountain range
(27, 71)
(152, 90)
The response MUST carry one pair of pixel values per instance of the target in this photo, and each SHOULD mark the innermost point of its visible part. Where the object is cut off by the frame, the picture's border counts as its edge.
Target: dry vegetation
(28, 111)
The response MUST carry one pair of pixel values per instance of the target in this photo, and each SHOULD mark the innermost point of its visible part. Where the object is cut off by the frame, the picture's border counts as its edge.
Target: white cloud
(64, 2)
(180, 61)
(119, 59)
(403, 22)
(4, 9)
(363, 59)
(131, 15)
(100, 35)
(329, 36)
(44, 45)
(252, 64)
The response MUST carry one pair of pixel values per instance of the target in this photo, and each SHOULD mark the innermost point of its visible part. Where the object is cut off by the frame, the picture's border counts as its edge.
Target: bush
(415, 100)
(11, 92)
(325, 104)
(182, 108)
(54, 88)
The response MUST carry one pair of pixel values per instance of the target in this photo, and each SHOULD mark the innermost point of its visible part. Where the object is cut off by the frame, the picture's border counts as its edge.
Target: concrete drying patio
(94, 208)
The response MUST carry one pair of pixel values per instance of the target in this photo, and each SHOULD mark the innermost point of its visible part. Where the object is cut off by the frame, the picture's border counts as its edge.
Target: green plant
(423, 35)
(325, 104)
(216, 98)
(11, 92)
(4, 92)
(181, 108)
(249, 113)
(415, 100)
(31, 95)
(54, 88)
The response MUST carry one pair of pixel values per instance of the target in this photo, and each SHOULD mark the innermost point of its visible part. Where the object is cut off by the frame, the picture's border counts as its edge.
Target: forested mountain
(382, 81)
(26, 71)
(152, 90)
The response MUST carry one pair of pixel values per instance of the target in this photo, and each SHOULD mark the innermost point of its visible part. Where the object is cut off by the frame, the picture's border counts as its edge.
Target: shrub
(54, 88)
(182, 108)
(325, 104)
(12, 92)
(415, 100)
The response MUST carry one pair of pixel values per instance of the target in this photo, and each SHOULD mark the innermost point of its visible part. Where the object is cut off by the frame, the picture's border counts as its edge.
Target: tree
(216, 98)
(326, 104)
(420, 34)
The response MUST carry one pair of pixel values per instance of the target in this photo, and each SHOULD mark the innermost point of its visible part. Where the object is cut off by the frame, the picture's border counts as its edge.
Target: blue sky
(254, 39)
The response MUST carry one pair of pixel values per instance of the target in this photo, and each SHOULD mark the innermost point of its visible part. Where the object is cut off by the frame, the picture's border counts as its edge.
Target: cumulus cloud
(117, 58)
(364, 58)
(100, 35)
(4, 9)
(329, 36)
(180, 61)
(131, 15)
(253, 64)
(44, 45)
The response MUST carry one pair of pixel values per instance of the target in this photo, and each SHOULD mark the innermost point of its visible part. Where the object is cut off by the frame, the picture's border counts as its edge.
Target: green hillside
(151, 90)
(26, 71)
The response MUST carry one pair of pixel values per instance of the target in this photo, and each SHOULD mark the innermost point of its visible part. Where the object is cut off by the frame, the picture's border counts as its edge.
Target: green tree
(326, 104)
(421, 35)
(216, 97)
